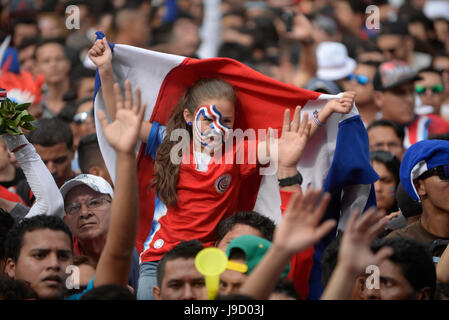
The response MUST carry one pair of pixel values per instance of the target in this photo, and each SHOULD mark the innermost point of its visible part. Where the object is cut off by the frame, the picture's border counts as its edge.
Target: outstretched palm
(300, 226)
(293, 140)
(123, 132)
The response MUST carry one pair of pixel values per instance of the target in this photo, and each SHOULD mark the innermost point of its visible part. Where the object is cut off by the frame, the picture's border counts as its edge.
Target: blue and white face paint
(218, 132)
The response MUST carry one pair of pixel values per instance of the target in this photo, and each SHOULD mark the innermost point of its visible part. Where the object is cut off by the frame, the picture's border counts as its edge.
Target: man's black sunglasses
(440, 171)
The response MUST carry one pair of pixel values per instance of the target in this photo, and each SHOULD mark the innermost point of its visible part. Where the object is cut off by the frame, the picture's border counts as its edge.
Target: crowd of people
(62, 208)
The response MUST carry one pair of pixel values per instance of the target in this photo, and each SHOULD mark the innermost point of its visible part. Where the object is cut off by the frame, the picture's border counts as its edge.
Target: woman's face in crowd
(385, 187)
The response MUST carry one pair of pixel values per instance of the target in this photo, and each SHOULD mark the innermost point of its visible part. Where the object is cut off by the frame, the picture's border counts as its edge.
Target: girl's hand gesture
(100, 53)
(293, 139)
(122, 134)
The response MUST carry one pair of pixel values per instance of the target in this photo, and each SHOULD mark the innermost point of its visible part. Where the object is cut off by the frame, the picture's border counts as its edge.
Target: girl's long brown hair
(167, 172)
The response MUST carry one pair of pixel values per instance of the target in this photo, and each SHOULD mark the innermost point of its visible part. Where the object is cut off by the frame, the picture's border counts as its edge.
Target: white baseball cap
(96, 183)
(333, 61)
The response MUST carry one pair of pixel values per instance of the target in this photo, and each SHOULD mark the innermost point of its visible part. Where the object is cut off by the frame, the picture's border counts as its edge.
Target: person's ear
(420, 187)
(378, 98)
(188, 117)
(423, 294)
(157, 293)
(95, 170)
(10, 268)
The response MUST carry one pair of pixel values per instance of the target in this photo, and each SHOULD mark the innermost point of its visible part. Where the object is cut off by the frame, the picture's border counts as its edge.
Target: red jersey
(204, 199)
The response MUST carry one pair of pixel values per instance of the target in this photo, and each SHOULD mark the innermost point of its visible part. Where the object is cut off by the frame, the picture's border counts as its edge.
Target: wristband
(316, 120)
(290, 181)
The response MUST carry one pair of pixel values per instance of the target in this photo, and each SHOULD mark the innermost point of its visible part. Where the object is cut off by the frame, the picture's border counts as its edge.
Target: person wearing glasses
(395, 97)
(87, 206)
(430, 89)
(424, 174)
(441, 64)
(361, 82)
(395, 43)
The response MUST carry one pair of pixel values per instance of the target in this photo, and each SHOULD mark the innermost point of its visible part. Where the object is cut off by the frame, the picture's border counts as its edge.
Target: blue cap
(420, 157)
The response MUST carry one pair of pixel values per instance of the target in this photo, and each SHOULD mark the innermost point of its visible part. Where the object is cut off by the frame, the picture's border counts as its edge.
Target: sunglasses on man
(441, 171)
(420, 89)
(361, 79)
(81, 117)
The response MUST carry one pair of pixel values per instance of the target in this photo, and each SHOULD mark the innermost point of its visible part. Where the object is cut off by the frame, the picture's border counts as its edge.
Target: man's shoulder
(413, 231)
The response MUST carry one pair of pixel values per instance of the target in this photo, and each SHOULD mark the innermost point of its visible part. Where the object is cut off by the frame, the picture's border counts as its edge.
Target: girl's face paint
(216, 132)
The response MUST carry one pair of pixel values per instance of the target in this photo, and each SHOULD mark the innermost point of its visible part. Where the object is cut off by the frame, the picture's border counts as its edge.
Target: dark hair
(387, 123)
(15, 289)
(6, 223)
(432, 70)
(329, 259)
(409, 207)
(43, 42)
(250, 218)
(287, 288)
(80, 73)
(89, 153)
(68, 112)
(51, 131)
(414, 260)
(14, 238)
(389, 160)
(442, 291)
(26, 42)
(185, 250)
(398, 27)
(109, 292)
(166, 172)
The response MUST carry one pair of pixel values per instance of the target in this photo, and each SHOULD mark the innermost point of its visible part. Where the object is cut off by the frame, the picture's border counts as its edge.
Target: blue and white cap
(420, 157)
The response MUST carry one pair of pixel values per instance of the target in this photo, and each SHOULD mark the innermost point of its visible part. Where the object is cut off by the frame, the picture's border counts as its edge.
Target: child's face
(213, 120)
(225, 107)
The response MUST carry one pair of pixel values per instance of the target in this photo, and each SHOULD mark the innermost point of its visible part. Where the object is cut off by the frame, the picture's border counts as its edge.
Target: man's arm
(115, 261)
(443, 266)
(299, 229)
(355, 253)
(49, 200)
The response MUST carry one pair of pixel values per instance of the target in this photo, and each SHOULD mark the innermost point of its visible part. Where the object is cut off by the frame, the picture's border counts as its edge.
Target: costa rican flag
(2, 95)
(336, 159)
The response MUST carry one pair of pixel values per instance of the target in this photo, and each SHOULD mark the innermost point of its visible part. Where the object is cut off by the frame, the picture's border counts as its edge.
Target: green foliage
(14, 116)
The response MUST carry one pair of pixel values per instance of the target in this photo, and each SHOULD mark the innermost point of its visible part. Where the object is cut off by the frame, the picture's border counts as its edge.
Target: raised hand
(293, 140)
(100, 53)
(342, 105)
(300, 226)
(122, 134)
(355, 249)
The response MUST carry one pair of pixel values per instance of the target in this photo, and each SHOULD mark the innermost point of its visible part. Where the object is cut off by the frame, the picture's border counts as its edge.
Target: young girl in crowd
(195, 195)
(387, 167)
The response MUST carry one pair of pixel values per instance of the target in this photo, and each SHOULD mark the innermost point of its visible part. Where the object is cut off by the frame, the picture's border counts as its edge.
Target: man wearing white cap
(333, 61)
(89, 223)
(424, 175)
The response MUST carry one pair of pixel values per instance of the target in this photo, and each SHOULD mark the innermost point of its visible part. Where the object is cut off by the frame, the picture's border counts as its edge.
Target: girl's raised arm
(101, 55)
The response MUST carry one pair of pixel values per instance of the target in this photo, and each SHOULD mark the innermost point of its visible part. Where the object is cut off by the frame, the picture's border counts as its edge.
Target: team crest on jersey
(222, 183)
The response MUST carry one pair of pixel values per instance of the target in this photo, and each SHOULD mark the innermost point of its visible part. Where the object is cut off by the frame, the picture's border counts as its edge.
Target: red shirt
(8, 195)
(204, 199)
